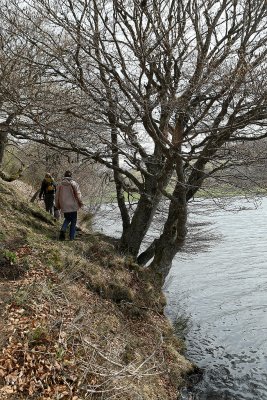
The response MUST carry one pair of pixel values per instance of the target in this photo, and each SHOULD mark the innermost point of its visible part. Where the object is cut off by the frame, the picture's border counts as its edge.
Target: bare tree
(152, 90)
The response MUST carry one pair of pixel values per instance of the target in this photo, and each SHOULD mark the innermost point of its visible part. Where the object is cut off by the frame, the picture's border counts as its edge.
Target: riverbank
(77, 320)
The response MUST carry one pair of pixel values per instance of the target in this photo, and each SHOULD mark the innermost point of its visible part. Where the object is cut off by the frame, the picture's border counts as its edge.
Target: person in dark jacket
(47, 192)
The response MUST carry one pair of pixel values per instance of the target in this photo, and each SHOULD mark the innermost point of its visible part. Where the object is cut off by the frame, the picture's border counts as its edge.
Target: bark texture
(3, 142)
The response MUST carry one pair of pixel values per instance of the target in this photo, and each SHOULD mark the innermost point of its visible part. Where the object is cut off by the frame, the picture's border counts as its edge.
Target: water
(222, 292)
(218, 287)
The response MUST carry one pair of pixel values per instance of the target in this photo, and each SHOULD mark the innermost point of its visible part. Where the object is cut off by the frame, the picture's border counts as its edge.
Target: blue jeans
(70, 218)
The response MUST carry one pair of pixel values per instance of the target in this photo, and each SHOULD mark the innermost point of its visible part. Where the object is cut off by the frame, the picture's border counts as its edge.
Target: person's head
(68, 174)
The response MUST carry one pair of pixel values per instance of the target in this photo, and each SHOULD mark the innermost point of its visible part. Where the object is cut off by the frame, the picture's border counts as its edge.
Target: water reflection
(222, 289)
(217, 286)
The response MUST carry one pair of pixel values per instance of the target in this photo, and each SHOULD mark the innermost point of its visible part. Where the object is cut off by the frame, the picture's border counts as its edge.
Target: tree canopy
(153, 90)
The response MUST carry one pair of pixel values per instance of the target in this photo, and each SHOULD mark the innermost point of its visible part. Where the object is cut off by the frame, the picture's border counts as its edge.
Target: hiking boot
(62, 235)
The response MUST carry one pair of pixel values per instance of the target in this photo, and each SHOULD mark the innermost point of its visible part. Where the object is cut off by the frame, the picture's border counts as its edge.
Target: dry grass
(80, 322)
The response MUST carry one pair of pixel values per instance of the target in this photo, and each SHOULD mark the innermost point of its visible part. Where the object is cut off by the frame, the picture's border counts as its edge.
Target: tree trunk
(174, 232)
(3, 142)
(133, 236)
(173, 236)
(118, 180)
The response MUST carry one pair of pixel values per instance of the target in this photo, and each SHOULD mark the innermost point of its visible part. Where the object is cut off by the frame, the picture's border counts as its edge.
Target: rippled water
(218, 288)
(221, 292)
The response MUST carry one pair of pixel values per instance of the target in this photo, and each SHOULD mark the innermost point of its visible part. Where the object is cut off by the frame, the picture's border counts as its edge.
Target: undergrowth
(80, 321)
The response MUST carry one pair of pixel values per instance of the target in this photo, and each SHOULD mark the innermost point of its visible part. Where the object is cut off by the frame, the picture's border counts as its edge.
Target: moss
(21, 297)
(2, 236)
(133, 311)
(53, 258)
(11, 267)
(9, 256)
(100, 250)
(38, 336)
(77, 267)
(117, 293)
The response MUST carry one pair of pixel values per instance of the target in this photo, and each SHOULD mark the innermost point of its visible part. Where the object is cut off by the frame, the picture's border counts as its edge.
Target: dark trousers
(49, 199)
(70, 218)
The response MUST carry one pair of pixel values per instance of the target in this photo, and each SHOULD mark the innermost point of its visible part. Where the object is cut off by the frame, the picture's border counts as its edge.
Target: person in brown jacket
(68, 200)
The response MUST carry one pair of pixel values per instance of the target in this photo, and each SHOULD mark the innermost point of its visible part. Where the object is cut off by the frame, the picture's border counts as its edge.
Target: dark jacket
(48, 188)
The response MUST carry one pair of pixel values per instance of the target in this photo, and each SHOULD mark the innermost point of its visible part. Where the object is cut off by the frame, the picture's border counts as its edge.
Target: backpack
(50, 185)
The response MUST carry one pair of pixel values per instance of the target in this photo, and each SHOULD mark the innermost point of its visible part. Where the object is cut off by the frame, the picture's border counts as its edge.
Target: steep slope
(78, 321)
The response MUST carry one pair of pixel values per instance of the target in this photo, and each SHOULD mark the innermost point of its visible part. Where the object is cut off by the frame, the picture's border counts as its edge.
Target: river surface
(217, 298)
(220, 293)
